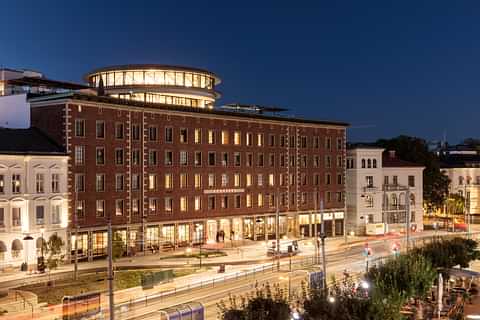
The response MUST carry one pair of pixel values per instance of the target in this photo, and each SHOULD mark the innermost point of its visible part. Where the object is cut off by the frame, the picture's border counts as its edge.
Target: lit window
(236, 180)
(260, 179)
(248, 180)
(260, 139)
(79, 155)
(100, 208)
(260, 199)
(152, 182)
(211, 137)
(168, 204)
(236, 138)
(211, 180)
(249, 139)
(183, 158)
(16, 184)
(248, 200)
(198, 203)
(271, 179)
(168, 181)
(198, 136)
(224, 180)
(198, 181)
(183, 180)
(224, 136)
(183, 204)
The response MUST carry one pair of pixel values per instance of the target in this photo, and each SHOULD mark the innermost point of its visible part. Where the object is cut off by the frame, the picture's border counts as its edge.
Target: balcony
(394, 187)
(370, 188)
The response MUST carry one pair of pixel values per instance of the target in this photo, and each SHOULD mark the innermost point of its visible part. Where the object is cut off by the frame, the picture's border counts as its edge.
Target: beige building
(33, 195)
(377, 184)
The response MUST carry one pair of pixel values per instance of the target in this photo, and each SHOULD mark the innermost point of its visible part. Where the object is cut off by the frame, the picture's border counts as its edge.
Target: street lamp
(41, 264)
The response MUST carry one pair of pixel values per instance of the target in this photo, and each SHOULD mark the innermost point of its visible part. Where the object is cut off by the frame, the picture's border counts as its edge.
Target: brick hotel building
(151, 153)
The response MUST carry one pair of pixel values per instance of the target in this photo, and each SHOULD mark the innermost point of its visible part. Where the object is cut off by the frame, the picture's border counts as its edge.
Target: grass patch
(94, 283)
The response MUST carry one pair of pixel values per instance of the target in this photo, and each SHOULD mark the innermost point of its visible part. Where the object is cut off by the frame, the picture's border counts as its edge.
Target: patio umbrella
(440, 294)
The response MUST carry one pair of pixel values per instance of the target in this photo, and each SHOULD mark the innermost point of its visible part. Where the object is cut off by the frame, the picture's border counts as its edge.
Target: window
(211, 180)
(271, 160)
(369, 180)
(55, 183)
(237, 159)
(385, 180)
(2, 217)
(168, 181)
(2, 184)
(152, 133)
(224, 180)
(183, 158)
(374, 163)
(316, 161)
(248, 180)
(135, 157)
(303, 164)
(260, 139)
(197, 180)
(135, 182)
(119, 182)
(395, 180)
(211, 158)
(328, 162)
(168, 134)
(369, 163)
(317, 179)
(260, 180)
(135, 132)
(328, 143)
(168, 158)
(183, 180)
(79, 182)
(100, 155)
(183, 135)
(236, 179)
(198, 158)
(303, 142)
(100, 182)
(316, 142)
(224, 202)
(369, 201)
(16, 217)
(197, 203)
(271, 179)
(236, 138)
(248, 200)
(260, 200)
(328, 179)
(79, 128)
(100, 129)
(168, 204)
(339, 144)
(16, 184)
(56, 213)
(249, 160)
(40, 183)
(339, 179)
(363, 163)
(152, 181)
(183, 204)
(119, 129)
(260, 160)
(271, 200)
(80, 209)
(224, 159)
(238, 201)
(340, 162)
(135, 206)
(152, 206)
(100, 209)
(40, 215)
(119, 205)
(152, 157)
(211, 137)
(271, 140)
(411, 181)
(197, 136)
(211, 202)
(249, 139)
(79, 155)
(224, 137)
(282, 141)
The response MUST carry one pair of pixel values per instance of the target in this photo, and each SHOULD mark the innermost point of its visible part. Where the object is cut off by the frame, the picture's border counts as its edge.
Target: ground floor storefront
(229, 231)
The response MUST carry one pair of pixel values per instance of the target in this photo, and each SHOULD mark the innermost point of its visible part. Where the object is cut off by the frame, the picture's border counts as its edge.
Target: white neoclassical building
(33, 195)
(377, 184)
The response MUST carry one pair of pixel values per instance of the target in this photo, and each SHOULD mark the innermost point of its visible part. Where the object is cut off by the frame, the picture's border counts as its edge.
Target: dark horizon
(388, 69)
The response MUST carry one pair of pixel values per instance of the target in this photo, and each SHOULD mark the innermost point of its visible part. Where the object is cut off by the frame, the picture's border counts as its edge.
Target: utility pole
(407, 213)
(110, 271)
(323, 236)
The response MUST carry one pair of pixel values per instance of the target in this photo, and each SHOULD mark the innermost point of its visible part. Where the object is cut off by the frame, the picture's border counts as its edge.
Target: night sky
(387, 67)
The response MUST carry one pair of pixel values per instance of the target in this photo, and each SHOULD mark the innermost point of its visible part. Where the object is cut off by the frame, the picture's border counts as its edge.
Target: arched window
(363, 163)
(460, 180)
(369, 163)
(17, 248)
(374, 163)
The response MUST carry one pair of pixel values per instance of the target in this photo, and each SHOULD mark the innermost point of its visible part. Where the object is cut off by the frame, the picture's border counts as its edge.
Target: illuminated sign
(219, 191)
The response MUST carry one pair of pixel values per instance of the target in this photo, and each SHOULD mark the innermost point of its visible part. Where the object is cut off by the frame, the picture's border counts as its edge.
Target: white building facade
(33, 196)
(377, 187)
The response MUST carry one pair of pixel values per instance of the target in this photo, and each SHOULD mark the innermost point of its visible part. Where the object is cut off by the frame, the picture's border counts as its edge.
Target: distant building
(376, 186)
(463, 170)
(33, 194)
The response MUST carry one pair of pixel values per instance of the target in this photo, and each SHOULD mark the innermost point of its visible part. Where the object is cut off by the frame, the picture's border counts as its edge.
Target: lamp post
(26, 239)
(323, 236)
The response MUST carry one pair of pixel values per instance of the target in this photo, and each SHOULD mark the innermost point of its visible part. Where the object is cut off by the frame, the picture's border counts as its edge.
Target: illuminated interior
(164, 85)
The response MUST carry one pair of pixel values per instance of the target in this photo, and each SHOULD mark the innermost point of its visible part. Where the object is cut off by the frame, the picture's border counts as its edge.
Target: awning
(17, 245)
(463, 273)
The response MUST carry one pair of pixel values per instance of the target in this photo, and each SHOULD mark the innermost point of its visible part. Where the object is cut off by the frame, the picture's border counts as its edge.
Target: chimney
(391, 154)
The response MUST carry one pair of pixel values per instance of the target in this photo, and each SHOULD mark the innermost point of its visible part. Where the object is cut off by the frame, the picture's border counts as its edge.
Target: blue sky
(387, 67)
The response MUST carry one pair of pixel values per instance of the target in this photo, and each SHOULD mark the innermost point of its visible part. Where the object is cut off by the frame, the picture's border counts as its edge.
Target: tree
(118, 246)
(435, 182)
(263, 304)
(455, 204)
(55, 245)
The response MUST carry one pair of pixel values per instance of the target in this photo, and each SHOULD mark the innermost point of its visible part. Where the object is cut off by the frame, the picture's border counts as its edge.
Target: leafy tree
(55, 245)
(263, 304)
(118, 246)
(455, 204)
(435, 182)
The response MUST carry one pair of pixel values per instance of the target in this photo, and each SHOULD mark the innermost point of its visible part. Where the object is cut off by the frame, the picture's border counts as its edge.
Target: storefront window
(198, 232)
(248, 228)
(183, 233)
(152, 238)
(170, 78)
(99, 243)
(168, 234)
